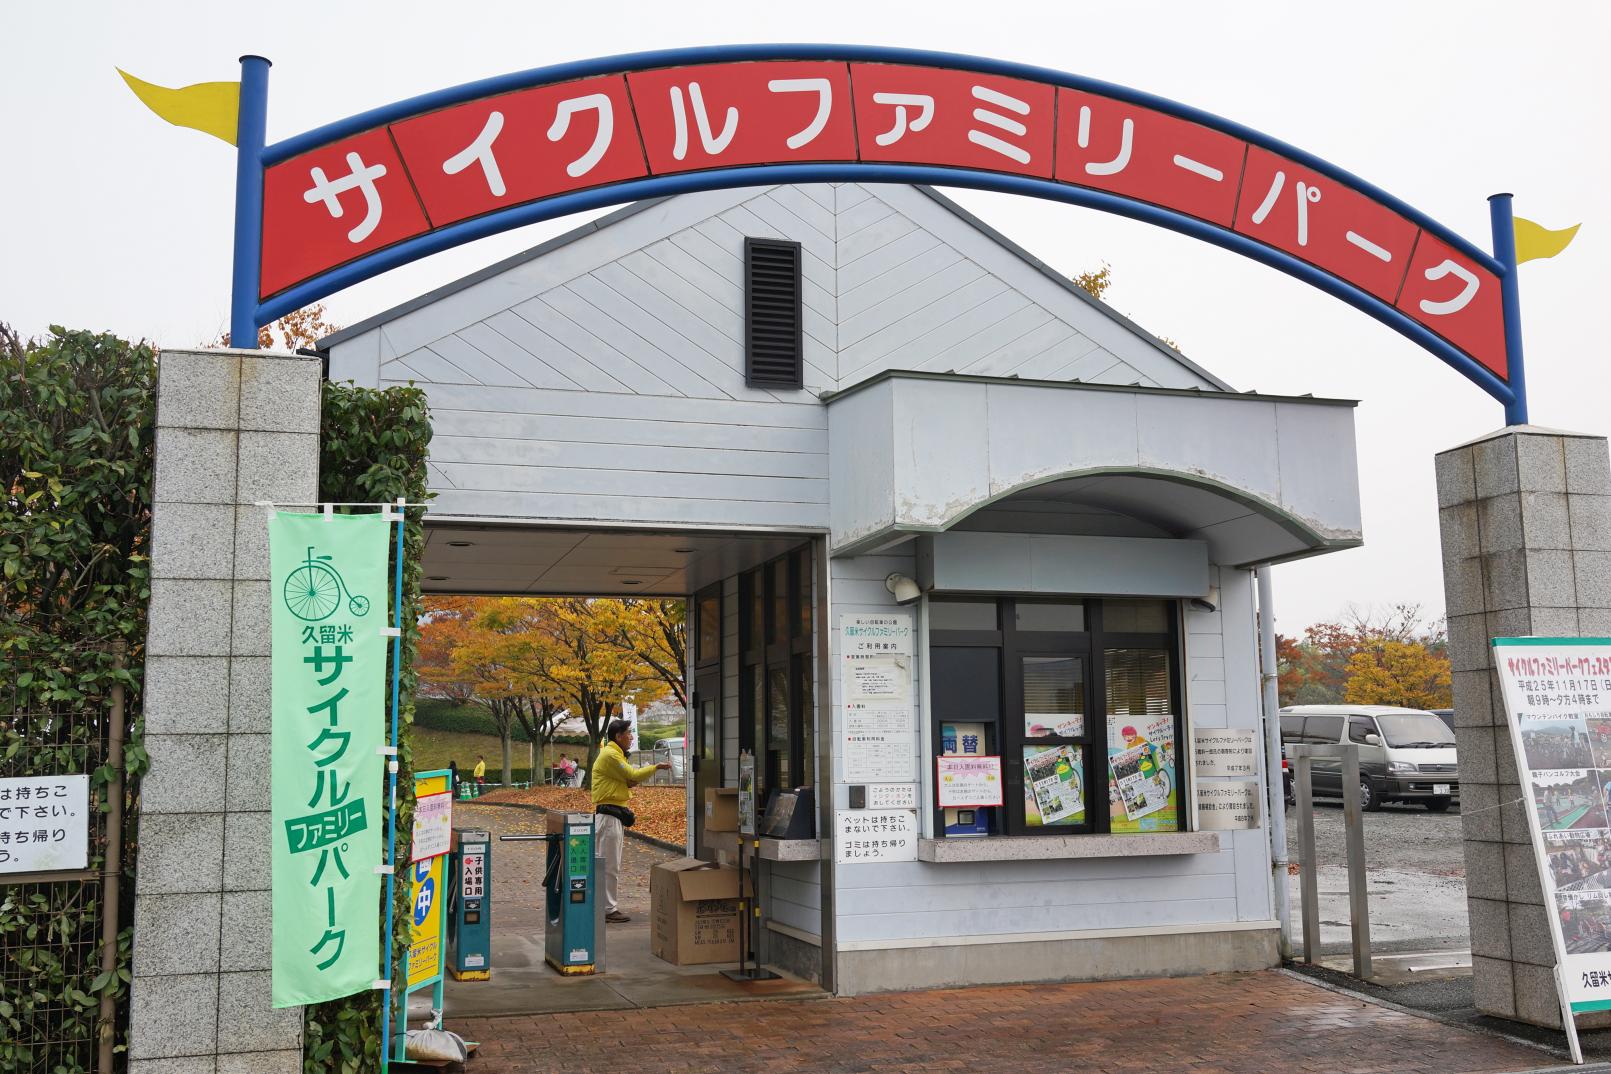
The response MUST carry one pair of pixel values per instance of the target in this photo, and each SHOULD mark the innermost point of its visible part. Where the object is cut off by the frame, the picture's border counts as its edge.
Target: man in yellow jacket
(613, 780)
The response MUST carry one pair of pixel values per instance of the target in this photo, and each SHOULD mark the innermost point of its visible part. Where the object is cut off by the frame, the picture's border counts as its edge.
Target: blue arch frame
(248, 312)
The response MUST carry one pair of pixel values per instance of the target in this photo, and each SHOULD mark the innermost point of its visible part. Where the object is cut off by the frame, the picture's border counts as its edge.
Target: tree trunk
(508, 739)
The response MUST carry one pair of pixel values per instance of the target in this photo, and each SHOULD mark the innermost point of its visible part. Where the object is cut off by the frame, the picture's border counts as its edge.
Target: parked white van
(1405, 755)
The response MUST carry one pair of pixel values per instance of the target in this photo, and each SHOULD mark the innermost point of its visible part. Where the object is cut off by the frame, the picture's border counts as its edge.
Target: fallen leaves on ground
(662, 811)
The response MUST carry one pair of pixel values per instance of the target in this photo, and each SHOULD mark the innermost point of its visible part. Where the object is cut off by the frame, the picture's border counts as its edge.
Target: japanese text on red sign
(373, 189)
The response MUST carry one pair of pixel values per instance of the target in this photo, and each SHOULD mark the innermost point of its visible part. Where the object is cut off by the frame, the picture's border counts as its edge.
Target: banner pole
(250, 131)
(391, 815)
(1504, 239)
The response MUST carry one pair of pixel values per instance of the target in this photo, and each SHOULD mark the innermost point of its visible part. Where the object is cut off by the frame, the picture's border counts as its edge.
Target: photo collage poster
(1143, 786)
(1558, 700)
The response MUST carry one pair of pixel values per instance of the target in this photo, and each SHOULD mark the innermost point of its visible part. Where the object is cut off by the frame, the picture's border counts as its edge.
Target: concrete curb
(651, 840)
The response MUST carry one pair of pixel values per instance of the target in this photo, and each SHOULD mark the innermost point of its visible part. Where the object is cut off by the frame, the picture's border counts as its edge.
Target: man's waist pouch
(621, 813)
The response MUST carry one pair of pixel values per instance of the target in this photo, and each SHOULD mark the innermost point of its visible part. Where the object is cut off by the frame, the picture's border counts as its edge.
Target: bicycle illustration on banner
(313, 591)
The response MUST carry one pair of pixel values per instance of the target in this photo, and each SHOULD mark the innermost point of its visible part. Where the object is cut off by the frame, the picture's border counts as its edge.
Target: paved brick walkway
(1243, 1023)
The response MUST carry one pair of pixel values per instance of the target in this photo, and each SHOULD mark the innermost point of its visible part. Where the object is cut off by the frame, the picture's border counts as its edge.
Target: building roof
(612, 218)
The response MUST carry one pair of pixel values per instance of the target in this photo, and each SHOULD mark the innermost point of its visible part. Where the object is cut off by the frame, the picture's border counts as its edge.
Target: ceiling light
(460, 544)
(631, 581)
(684, 551)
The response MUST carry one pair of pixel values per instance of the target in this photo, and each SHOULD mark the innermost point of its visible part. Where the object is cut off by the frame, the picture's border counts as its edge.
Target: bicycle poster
(328, 596)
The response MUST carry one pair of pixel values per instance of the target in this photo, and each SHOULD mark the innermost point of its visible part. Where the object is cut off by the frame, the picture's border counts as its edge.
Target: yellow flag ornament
(1534, 241)
(209, 107)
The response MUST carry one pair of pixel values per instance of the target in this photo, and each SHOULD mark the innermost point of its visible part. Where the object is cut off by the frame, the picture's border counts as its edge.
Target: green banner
(328, 590)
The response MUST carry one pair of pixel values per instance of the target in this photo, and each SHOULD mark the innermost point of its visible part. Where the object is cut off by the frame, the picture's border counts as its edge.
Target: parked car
(1405, 755)
(675, 751)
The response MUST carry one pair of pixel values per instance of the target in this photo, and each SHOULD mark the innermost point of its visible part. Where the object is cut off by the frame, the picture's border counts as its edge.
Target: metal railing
(1302, 757)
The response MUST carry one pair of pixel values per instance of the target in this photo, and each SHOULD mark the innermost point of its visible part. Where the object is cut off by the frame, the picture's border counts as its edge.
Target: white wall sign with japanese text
(1557, 695)
(878, 728)
(1225, 805)
(891, 796)
(1225, 752)
(865, 835)
(44, 823)
(433, 825)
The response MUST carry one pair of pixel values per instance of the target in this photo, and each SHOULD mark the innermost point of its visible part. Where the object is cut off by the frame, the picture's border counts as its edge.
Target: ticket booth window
(776, 695)
(1080, 698)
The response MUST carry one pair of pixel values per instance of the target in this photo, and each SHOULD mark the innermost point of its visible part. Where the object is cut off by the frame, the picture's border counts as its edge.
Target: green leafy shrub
(77, 415)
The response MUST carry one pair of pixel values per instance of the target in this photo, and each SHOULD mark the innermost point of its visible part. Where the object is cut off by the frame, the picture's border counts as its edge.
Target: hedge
(77, 415)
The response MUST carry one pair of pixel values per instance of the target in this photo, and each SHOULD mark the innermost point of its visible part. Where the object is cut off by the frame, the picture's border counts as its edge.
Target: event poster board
(44, 823)
(327, 596)
(427, 897)
(1143, 783)
(1557, 694)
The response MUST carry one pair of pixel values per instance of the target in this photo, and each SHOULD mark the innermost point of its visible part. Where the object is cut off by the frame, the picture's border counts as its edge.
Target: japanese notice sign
(965, 782)
(1224, 752)
(1227, 804)
(865, 835)
(44, 823)
(879, 729)
(433, 825)
(417, 174)
(328, 666)
(1557, 694)
(891, 796)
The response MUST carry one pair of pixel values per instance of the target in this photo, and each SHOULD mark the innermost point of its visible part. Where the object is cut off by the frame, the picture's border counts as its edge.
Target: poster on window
(1143, 790)
(968, 782)
(1557, 694)
(1054, 785)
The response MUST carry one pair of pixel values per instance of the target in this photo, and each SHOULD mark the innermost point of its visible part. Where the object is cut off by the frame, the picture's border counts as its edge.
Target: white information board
(866, 835)
(1557, 694)
(1225, 805)
(433, 825)
(44, 823)
(878, 726)
(1225, 752)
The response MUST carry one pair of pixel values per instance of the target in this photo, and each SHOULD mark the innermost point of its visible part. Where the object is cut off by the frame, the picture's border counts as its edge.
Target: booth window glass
(777, 721)
(708, 644)
(1079, 699)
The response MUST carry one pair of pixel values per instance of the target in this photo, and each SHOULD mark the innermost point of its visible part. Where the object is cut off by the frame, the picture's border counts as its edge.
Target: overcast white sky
(114, 220)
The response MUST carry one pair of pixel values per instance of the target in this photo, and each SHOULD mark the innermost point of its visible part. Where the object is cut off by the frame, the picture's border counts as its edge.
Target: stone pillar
(233, 428)
(1525, 515)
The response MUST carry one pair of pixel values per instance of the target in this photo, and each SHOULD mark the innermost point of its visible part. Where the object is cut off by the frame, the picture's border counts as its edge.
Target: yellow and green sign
(328, 592)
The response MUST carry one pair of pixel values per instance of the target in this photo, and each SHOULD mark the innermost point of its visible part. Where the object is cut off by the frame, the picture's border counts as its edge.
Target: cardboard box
(721, 809)
(695, 910)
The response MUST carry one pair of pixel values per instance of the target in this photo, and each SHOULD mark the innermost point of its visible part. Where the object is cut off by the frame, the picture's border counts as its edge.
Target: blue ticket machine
(569, 888)
(470, 912)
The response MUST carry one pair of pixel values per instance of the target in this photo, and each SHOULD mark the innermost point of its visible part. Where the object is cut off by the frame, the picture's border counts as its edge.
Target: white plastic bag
(435, 1044)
